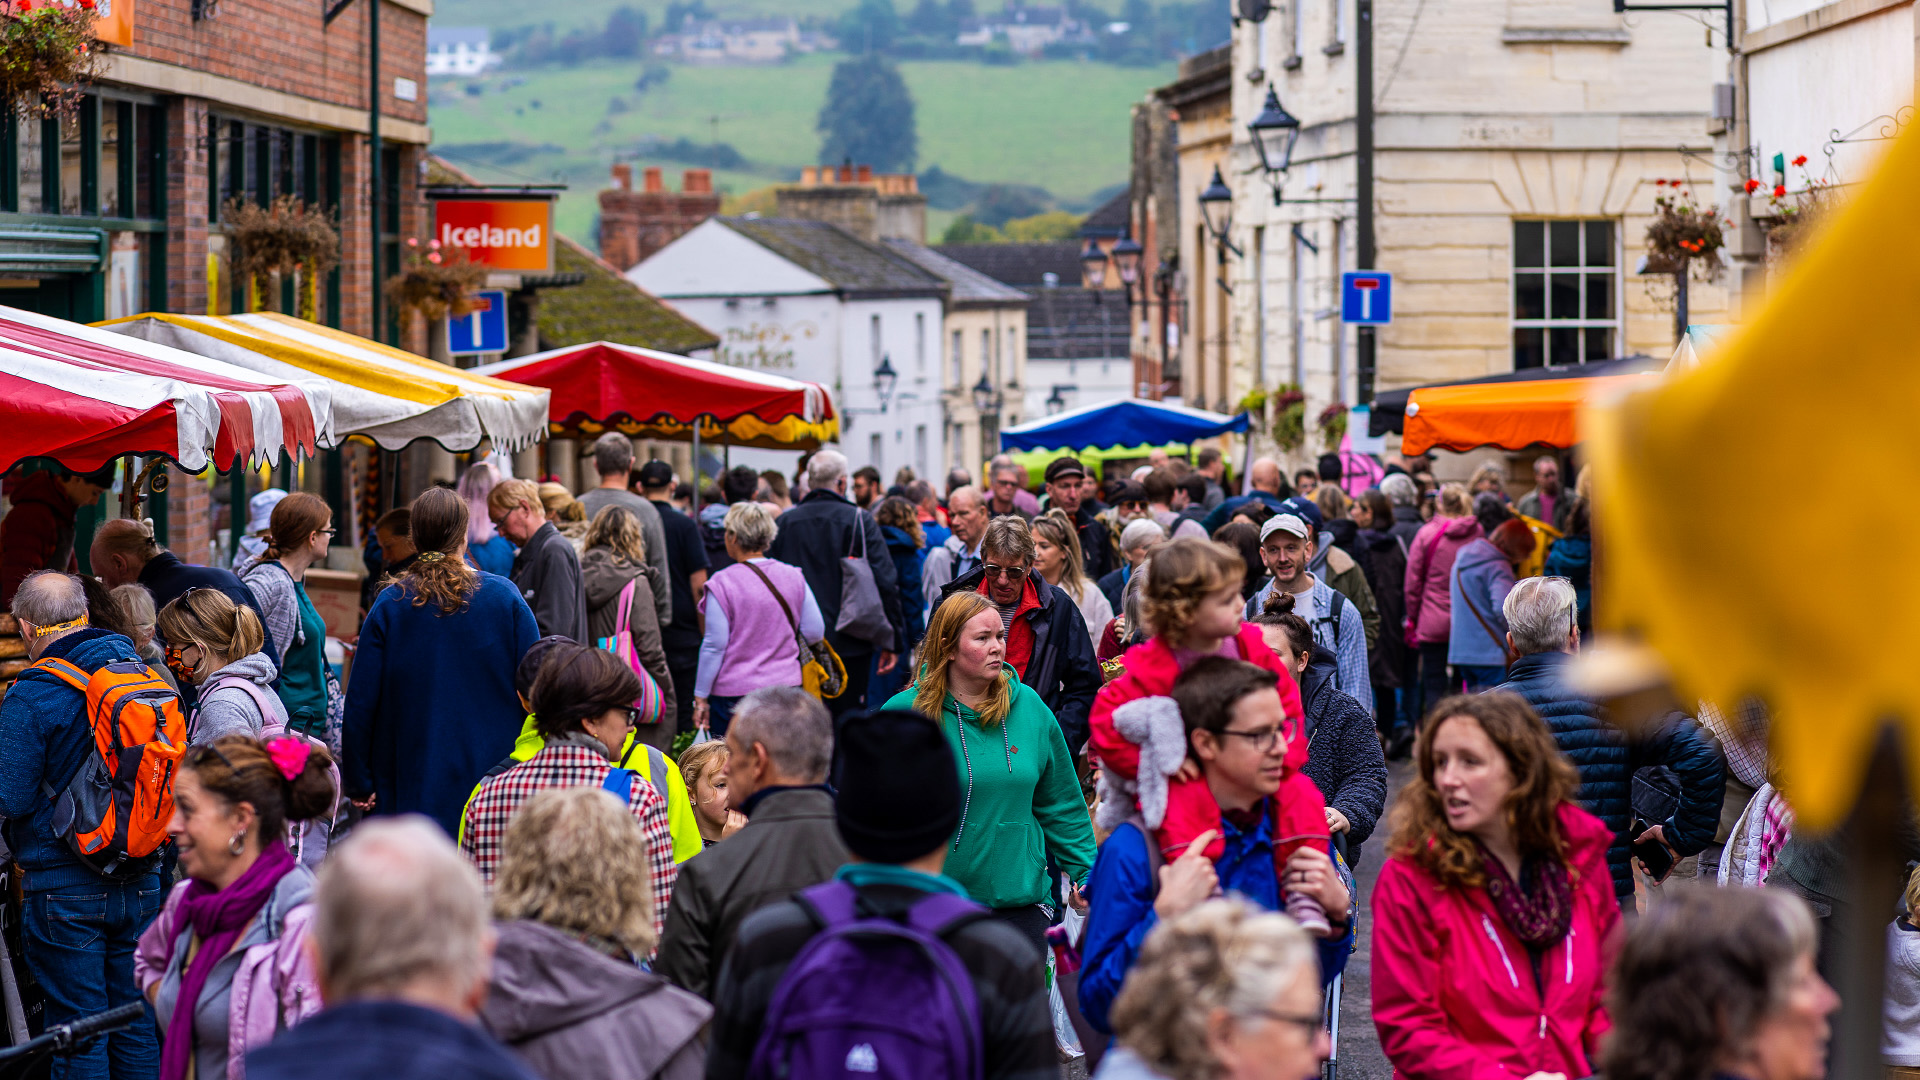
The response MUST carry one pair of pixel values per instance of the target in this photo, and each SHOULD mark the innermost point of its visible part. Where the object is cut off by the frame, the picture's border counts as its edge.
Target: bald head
(967, 515)
(46, 599)
(121, 549)
(1265, 476)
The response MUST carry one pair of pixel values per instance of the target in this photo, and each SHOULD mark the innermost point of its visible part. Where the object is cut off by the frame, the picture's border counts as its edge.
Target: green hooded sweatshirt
(1022, 799)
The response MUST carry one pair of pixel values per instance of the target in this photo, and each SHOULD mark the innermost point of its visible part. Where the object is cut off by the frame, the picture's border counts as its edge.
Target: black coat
(814, 536)
(1114, 587)
(1343, 752)
(1097, 557)
(1406, 524)
(1387, 574)
(547, 573)
(1606, 759)
(167, 578)
(1062, 668)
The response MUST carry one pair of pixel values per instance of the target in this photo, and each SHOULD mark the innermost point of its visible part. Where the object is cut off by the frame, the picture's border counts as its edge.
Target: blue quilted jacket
(1606, 759)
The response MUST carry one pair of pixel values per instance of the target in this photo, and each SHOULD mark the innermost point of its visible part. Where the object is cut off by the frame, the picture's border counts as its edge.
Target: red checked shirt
(561, 765)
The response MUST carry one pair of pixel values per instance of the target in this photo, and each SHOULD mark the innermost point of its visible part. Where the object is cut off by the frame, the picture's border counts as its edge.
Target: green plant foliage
(965, 230)
(868, 118)
(1040, 228)
(47, 53)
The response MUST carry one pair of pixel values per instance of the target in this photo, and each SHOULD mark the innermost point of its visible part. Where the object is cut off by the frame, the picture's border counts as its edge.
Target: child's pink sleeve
(1105, 745)
(1191, 810)
(1301, 812)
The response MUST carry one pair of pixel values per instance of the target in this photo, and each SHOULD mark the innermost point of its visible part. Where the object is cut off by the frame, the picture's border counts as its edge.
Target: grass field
(1062, 125)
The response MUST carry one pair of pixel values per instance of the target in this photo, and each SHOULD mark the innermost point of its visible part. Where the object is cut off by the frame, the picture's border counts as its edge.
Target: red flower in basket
(1753, 186)
(1801, 160)
(1779, 191)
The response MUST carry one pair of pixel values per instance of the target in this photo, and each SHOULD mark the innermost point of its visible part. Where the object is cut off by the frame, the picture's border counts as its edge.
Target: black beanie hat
(898, 789)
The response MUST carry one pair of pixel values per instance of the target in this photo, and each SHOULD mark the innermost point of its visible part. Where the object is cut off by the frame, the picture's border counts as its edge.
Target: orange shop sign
(501, 234)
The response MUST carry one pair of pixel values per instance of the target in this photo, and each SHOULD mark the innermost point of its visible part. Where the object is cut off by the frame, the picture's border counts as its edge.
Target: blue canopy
(1127, 422)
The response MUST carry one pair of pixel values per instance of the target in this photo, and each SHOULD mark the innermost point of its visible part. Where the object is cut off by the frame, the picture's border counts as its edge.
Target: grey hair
(1223, 954)
(751, 526)
(612, 454)
(792, 725)
(1400, 490)
(967, 491)
(1009, 537)
(1005, 467)
(1540, 614)
(136, 605)
(825, 470)
(396, 904)
(578, 862)
(1141, 532)
(49, 597)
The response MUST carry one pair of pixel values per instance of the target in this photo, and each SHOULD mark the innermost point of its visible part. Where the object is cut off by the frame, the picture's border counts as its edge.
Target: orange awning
(1511, 415)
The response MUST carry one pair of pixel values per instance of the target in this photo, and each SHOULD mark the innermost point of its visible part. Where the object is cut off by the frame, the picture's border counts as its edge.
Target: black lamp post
(884, 378)
(1093, 266)
(1126, 259)
(1216, 211)
(1274, 133)
(986, 400)
(1056, 403)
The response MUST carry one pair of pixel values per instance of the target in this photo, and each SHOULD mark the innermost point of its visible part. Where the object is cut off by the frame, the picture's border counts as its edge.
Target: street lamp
(1093, 266)
(1274, 132)
(986, 400)
(1057, 403)
(883, 379)
(1216, 210)
(1126, 259)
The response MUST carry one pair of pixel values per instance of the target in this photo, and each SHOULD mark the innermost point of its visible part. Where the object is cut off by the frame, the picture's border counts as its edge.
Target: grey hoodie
(230, 709)
(570, 1011)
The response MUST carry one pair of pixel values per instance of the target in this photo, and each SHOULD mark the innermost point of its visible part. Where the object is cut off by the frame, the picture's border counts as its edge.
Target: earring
(237, 844)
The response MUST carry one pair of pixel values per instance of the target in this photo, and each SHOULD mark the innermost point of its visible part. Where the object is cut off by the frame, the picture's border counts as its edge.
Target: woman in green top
(298, 536)
(1022, 794)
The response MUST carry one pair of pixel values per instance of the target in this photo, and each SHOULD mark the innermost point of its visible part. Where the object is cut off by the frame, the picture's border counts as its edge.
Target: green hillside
(1059, 125)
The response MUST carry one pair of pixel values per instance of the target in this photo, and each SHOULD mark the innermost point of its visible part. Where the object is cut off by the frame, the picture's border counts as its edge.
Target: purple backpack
(874, 997)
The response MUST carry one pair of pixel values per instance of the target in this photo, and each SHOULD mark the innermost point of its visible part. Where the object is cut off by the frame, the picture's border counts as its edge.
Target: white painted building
(810, 300)
(459, 50)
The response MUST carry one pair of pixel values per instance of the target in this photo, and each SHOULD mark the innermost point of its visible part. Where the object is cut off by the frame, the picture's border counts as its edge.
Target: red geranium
(1753, 186)
(1801, 160)
(1779, 191)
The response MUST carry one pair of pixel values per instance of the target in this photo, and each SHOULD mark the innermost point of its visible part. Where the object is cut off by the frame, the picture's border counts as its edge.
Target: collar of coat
(1042, 594)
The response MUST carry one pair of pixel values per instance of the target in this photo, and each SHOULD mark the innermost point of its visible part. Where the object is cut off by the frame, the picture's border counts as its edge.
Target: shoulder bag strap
(784, 606)
(1498, 639)
(66, 671)
(622, 619)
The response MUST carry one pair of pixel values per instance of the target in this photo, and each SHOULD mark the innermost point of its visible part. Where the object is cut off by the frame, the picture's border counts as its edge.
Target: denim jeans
(79, 944)
(1480, 678)
(720, 714)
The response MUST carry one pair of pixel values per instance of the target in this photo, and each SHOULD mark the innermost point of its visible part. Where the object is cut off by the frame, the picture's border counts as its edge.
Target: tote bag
(650, 704)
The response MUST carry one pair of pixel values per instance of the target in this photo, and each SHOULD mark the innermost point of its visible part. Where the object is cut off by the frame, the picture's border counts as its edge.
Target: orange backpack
(114, 812)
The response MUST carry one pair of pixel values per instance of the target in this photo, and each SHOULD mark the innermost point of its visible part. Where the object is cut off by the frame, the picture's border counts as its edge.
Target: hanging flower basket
(1684, 235)
(47, 55)
(1333, 425)
(282, 237)
(1795, 213)
(1289, 417)
(436, 282)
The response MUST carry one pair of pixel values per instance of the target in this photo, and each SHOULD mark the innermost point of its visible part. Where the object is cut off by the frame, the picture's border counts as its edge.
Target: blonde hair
(1184, 573)
(696, 760)
(1912, 897)
(210, 619)
(751, 526)
(1223, 954)
(509, 495)
(136, 605)
(1333, 502)
(617, 529)
(1454, 500)
(1057, 529)
(576, 860)
(558, 501)
(936, 656)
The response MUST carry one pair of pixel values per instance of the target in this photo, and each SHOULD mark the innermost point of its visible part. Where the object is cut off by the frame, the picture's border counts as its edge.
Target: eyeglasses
(1263, 740)
(1011, 573)
(1310, 1024)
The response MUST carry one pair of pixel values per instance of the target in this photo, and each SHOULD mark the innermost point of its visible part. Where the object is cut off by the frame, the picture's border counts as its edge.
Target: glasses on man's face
(1011, 573)
(1263, 740)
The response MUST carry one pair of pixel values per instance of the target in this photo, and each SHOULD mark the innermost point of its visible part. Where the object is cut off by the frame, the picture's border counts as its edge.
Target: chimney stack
(656, 183)
(623, 176)
(635, 224)
(696, 182)
(872, 206)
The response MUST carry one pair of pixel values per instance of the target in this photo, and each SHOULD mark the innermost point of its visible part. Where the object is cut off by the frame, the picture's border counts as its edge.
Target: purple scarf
(1539, 910)
(217, 916)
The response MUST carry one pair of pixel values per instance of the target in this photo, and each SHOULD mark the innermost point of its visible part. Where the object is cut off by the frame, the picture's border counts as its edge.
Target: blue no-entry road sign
(484, 330)
(1366, 298)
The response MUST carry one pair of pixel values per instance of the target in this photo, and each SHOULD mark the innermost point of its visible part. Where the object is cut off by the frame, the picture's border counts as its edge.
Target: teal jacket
(1022, 802)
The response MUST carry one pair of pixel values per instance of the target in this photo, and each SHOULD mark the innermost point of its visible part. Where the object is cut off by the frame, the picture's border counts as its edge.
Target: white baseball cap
(1286, 523)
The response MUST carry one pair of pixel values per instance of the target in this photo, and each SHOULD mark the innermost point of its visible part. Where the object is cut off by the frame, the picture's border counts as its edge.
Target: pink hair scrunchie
(290, 755)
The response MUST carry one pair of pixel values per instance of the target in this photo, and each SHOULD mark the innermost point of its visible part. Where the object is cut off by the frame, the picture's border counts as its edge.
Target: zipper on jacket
(1494, 936)
(1569, 946)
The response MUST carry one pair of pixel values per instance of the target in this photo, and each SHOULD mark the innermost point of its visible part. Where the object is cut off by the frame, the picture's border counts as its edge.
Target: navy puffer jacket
(1606, 759)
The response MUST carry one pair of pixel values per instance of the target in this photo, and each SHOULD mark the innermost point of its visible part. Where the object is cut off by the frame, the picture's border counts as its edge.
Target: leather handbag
(863, 615)
(822, 673)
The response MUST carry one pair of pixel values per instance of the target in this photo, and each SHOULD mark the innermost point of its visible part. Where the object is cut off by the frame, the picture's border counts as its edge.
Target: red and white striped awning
(83, 396)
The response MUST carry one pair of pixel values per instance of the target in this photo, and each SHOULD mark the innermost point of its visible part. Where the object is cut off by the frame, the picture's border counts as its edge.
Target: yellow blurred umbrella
(1757, 510)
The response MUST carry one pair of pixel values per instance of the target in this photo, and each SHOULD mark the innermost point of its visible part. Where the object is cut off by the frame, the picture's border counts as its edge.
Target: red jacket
(1191, 808)
(1454, 996)
(1429, 572)
(37, 534)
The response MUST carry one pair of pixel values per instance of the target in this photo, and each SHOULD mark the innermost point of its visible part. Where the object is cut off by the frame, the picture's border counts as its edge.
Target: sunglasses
(1011, 573)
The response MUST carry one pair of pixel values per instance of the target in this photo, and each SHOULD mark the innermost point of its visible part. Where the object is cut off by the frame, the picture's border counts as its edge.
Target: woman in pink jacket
(1494, 919)
(225, 963)
(1429, 596)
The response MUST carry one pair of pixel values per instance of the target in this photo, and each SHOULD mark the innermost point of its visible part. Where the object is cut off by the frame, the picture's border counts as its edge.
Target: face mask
(176, 662)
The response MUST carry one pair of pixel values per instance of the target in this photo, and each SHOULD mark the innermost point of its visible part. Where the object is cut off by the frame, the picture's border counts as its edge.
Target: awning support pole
(696, 468)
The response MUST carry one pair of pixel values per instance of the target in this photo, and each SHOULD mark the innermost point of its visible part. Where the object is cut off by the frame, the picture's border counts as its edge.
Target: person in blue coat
(1571, 557)
(1542, 630)
(907, 544)
(430, 702)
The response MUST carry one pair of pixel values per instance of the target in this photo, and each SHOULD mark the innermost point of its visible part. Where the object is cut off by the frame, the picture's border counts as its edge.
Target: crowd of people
(903, 781)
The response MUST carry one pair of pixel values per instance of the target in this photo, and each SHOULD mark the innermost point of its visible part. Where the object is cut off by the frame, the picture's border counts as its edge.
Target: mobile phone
(1654, 855)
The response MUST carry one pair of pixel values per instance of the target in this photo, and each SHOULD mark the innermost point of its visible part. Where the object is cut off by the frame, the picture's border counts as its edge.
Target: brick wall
(189, 517)
(186, 206)
(635, 224)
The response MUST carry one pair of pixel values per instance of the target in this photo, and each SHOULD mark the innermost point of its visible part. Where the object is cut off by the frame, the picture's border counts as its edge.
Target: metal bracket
(1725, 7)
(333, 11)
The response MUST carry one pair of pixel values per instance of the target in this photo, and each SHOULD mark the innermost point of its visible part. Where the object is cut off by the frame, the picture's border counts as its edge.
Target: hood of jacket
(897, 538)
(1461, 528)
(604, 574)
(1318, 679)
(1344, 531)
(543, 981)
(714, 516)
(1479, 553)
(254, 668)
(1378, 539)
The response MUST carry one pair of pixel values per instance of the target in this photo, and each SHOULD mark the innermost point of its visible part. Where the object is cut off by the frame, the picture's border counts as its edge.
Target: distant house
(459, 50)
(1024, 29)
(766, 40)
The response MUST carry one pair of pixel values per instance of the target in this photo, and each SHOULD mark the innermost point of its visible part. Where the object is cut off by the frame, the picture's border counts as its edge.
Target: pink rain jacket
(1429, 573)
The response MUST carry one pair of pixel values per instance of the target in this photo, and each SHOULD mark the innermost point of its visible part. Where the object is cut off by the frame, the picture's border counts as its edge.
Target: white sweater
(1900, 1038)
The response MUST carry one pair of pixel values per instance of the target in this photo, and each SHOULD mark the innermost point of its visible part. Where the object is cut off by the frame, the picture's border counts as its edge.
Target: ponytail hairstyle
(439, 531)
(1278, 611)
(242, 769)
(210, 619)
(295, 519)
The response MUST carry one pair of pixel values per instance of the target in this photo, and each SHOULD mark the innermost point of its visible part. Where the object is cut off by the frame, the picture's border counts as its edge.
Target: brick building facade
(213, 102)
(635, 224)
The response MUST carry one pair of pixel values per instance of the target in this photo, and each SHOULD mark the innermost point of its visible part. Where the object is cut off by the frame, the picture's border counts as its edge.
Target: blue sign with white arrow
(484, 329)
(1366, 298)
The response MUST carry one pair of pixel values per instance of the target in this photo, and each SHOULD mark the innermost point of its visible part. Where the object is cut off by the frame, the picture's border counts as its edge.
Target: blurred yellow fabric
(1759, 516)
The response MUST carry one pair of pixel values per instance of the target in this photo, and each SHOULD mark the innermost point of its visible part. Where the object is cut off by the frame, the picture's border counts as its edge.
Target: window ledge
(1291, 63)
(1335, 48)
(1515, 35)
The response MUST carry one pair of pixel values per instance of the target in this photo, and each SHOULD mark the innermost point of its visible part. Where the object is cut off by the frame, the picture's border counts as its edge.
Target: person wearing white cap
(259, 520)
(1286, 547)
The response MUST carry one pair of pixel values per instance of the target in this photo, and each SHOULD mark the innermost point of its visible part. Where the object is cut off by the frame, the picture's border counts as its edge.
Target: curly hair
(1184, 573)
(617, 530)
(1542, 780)
(1697, 976)
(438, 523)
(576, 860)
(1223, 954)
(901, 514)
(695, 760)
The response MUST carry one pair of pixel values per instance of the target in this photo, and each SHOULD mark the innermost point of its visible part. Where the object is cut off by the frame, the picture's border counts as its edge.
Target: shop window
(1565, 293)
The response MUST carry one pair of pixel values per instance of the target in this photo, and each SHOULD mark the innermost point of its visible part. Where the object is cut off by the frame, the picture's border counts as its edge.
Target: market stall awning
(1129, 422)
(1512, 410)
(654, 395)
(388, 395)
(82, 396)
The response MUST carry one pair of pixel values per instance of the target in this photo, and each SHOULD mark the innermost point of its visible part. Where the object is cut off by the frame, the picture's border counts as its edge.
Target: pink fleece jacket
(1429, 570)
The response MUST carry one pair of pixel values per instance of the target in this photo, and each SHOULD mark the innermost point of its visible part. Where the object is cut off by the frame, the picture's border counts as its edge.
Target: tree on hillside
(933, 19)
(868, 117)
(871, 26)
(626, 29)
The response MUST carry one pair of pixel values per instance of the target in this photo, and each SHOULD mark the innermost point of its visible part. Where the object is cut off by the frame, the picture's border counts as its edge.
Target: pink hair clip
(290, 755)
